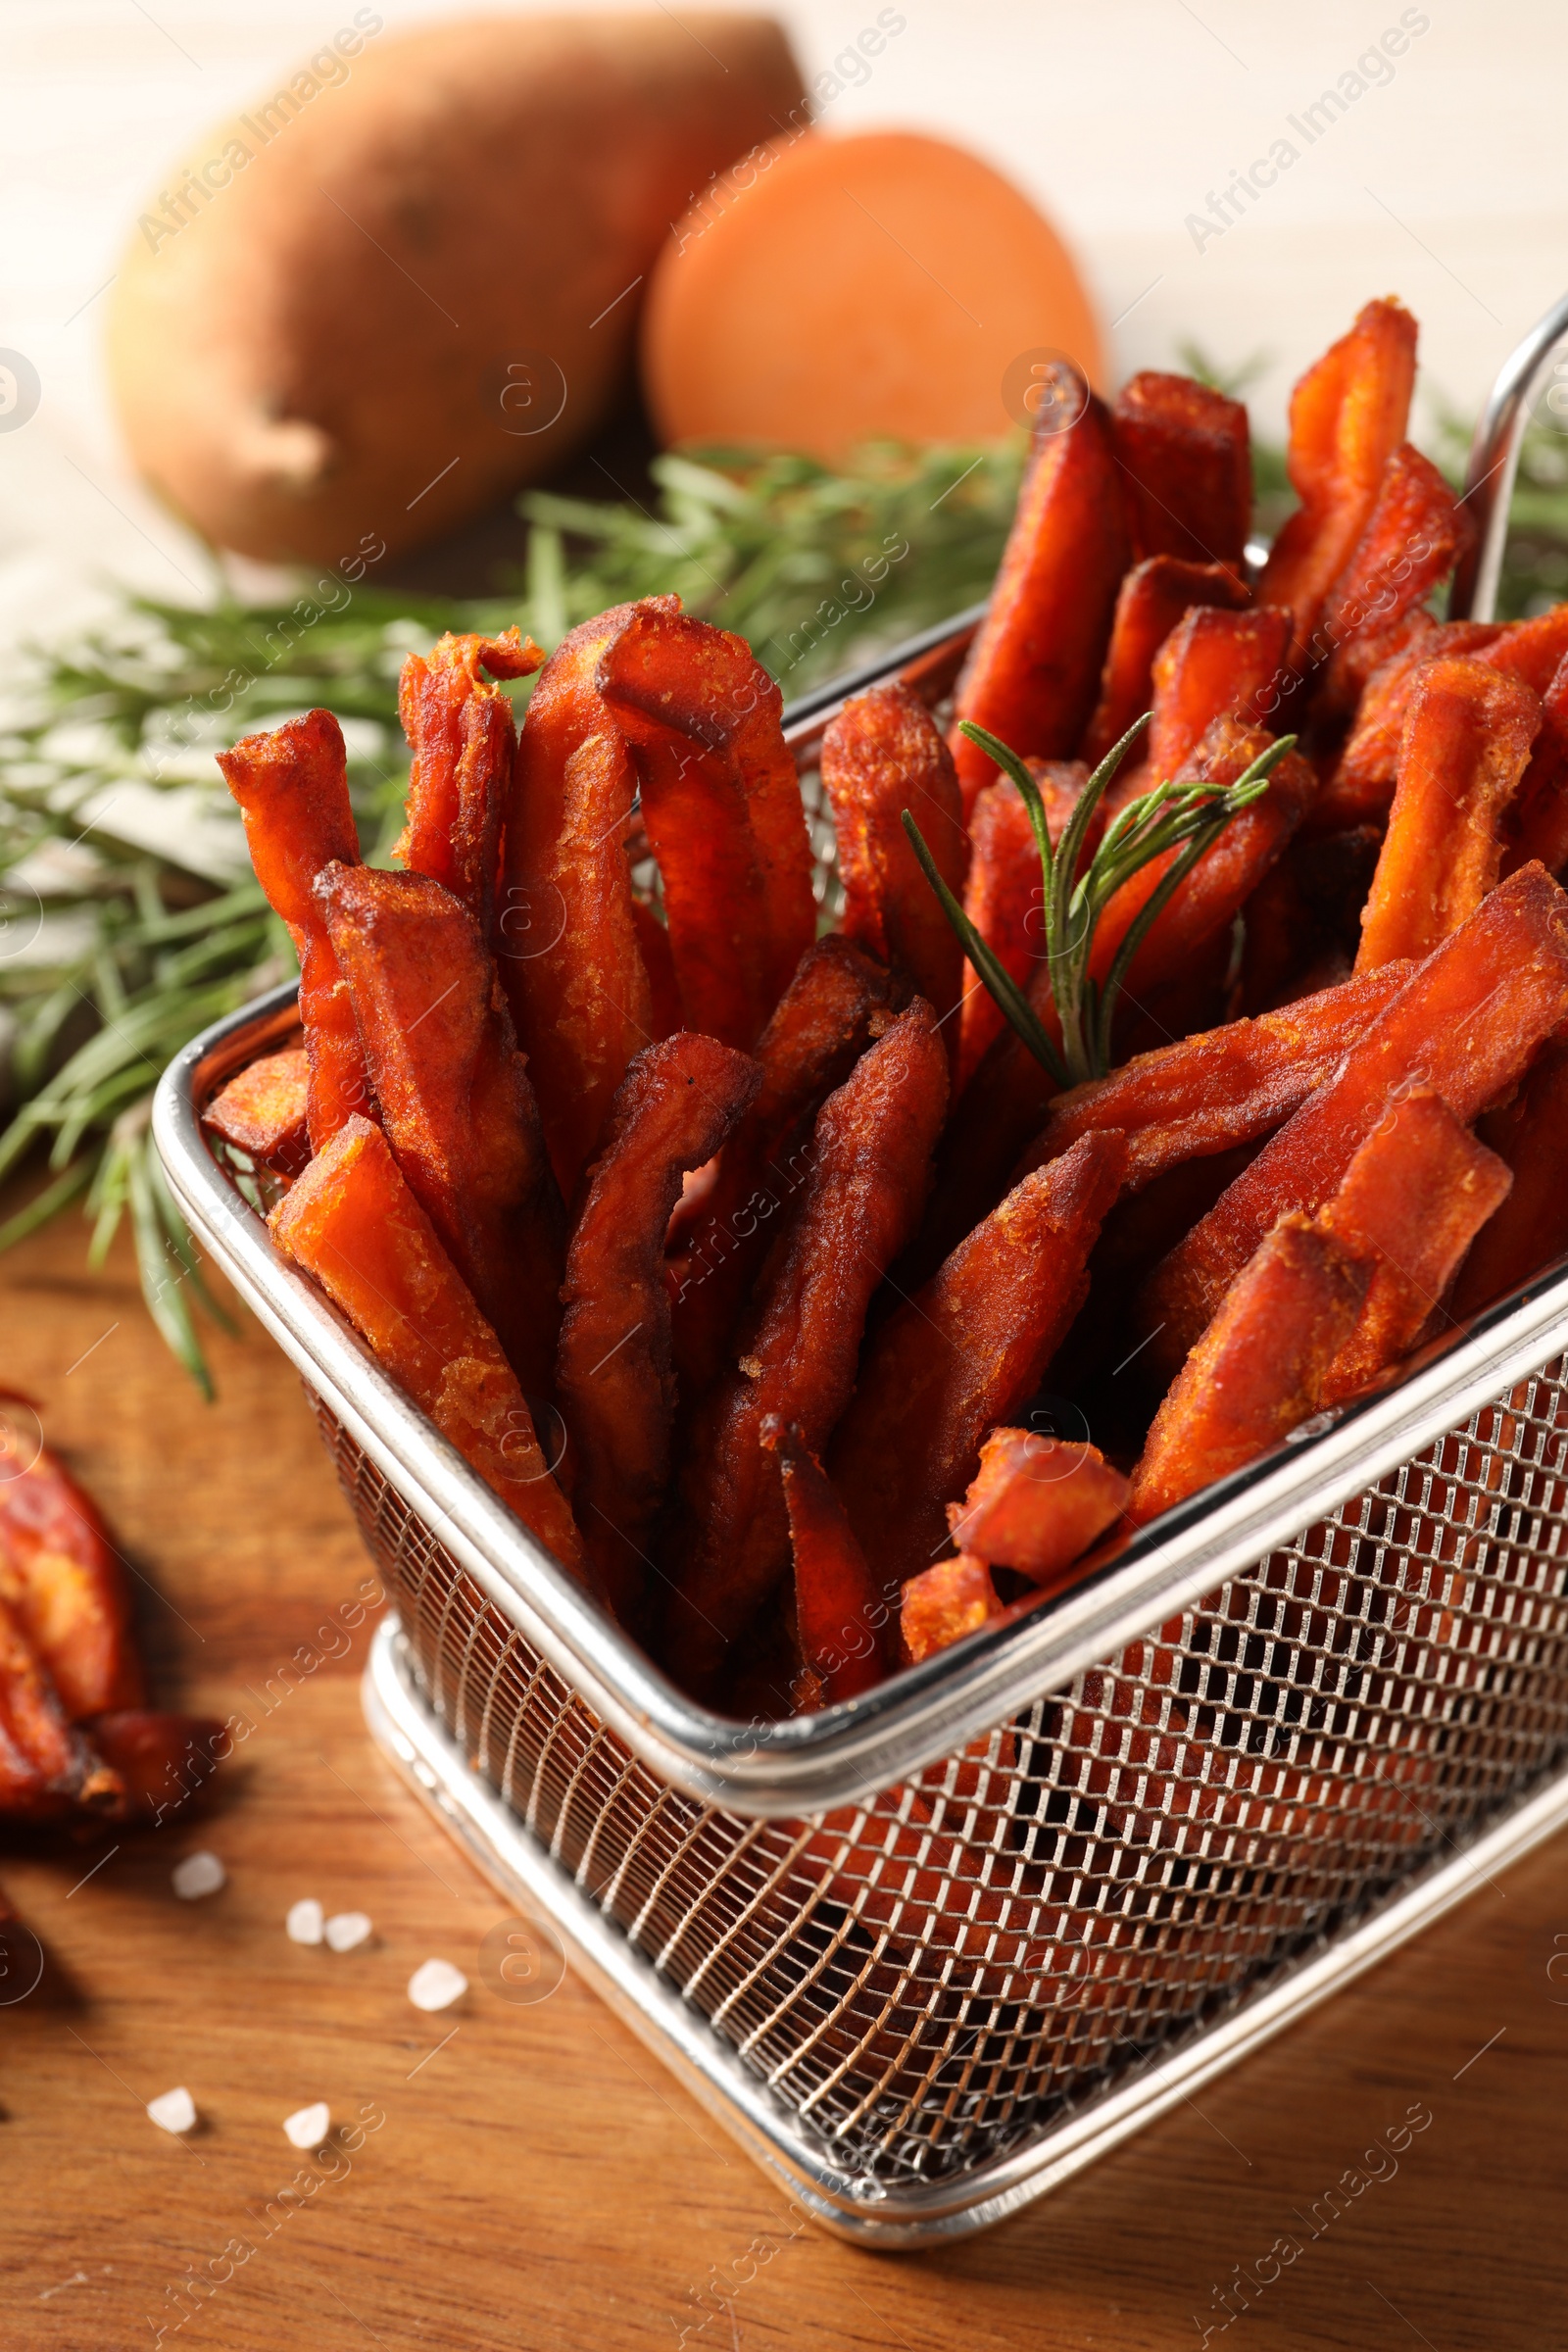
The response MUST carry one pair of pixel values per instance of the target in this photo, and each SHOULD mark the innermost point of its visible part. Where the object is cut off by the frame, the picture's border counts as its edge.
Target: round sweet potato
(409, 281)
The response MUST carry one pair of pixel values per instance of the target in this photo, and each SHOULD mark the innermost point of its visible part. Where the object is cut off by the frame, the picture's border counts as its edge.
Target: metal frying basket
(929, 1953)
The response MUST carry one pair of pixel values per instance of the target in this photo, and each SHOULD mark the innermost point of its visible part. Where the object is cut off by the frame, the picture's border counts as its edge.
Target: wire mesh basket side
(933, 1976)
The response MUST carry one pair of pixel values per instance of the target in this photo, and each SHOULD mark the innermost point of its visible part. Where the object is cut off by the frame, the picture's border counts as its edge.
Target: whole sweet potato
(408, 279)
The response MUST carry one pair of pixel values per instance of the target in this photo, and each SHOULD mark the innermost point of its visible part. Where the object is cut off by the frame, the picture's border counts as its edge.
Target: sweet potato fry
(861, 1200)
(354, 1223)
(1530, 650)
(964, 1353)
(1347, 417)
(942, 1604)
(67, 1587)
(1208, 898)
(1033, 670)
(1535, 821)
(159, 1759)
(721, 807)
(1037, 1503)
(663, 990)
(1466, 1023)
(1153, 599)
(671, 1113)
(1258, 1370)
(1531, 1227)
(1361, 786)
(1412, 1201)
(1186, 465)
(461, 732)
(1207, 1094)
(1303, 923)
(838, 1000)
(1001, 896)
(585, 999)
(47, 1767)
(293, 793)
(264, 1111)
(882, 755)
(1415, 532)
(1214, 664)
(1466, 744)
(842, 1621)
(455, 1096)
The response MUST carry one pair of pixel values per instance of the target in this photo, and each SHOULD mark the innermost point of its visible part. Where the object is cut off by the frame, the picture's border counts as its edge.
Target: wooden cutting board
(528, 2176)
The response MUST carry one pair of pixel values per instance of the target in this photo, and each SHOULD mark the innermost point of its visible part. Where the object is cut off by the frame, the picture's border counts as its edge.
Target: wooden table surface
(528, 2176)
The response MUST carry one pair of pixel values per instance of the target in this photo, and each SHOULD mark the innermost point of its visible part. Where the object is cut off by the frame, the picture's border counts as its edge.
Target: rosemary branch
(1187, 818)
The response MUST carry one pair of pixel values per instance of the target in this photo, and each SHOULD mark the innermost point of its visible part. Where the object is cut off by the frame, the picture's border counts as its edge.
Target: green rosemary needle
(1187, 818)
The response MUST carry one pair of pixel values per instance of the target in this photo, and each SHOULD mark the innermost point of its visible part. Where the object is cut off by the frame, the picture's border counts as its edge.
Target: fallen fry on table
(69, 1588)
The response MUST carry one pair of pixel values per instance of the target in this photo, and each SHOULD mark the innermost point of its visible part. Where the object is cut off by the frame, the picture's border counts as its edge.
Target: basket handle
(1495, 460)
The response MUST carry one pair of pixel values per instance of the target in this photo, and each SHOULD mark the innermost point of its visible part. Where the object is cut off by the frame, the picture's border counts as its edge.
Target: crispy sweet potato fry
(1466, 744)
(1412, 1201)
(1187, 464)
(1531, 650)
(838, 1000)
(455, 1096)
(1531, 1227)
(292, 789)
(1466, 1023)
(1001, 896)
(964, 1353)
(1207, 1094)
(461, 732)
(673, 1110)
(1214, 664)
(47, 1767)
(1153, 599)
(882, 755)
(721, 807)
(663, 990)
(1258, 1370)
(159, 1759)
(861, 1200)
(1224, 878)
(1348, 418)
(944, 1603)
(586, 1000)
(1037, 1503)
(842, 1625)
(67, 1587)
(1413, 536)
(1361, 786)
(1535, 821)
(263, 1111)
(354, 1223)
(1034, 667)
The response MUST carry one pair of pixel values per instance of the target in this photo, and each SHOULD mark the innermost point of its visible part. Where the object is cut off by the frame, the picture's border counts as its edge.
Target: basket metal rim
(849, 1751)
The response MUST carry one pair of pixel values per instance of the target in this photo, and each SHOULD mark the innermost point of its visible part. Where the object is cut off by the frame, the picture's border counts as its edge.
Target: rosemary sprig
(1186, 817)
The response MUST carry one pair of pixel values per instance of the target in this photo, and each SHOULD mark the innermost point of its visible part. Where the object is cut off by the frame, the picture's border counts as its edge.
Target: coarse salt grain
(307, 2127)
(172, 2110)
(303, 1921)
(199, 1874)
(436, 1985)
(347, 1929)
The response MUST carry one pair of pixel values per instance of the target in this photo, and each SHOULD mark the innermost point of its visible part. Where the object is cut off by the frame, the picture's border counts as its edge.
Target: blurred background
(1443, 181)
